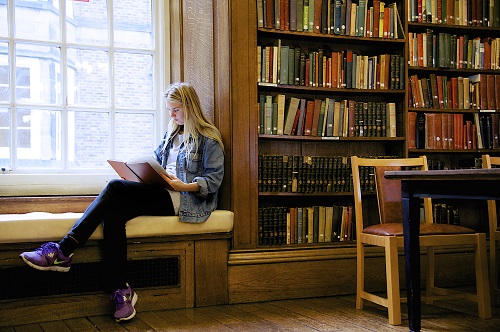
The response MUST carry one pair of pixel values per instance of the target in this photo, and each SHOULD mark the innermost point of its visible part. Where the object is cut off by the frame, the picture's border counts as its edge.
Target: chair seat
(396, 229)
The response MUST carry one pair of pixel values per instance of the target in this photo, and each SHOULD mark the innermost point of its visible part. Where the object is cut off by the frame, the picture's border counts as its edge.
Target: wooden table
(483, 184)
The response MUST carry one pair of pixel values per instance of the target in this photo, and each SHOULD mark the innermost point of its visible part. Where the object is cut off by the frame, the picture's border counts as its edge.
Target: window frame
(24, 182)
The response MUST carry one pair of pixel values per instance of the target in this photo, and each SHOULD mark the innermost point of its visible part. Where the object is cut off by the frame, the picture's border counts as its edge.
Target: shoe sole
(45, 268)
(134, 301)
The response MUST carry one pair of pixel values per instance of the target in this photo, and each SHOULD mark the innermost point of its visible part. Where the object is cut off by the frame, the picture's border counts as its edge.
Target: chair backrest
(489, 162)
(388, 191)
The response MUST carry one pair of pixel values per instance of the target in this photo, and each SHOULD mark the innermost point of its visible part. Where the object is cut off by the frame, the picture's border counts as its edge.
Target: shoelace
(118, 298)
(47, 248)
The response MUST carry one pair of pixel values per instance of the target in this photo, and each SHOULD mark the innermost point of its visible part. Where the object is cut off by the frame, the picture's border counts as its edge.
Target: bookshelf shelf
(270, 87)
(477, 30)
(326, 139)
(439, 110)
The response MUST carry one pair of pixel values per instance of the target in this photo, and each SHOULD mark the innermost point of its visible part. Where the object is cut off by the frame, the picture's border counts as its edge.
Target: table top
(451, 174)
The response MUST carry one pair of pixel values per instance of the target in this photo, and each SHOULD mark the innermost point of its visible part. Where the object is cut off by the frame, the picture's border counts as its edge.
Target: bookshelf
(453, 91)
(263, 272)
(453, 82)
(330, 84)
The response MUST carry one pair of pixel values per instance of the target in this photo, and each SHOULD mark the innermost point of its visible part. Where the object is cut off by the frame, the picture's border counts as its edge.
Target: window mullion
(64, 88)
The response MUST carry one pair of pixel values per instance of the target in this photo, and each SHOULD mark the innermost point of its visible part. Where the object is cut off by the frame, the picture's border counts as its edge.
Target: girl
(192, 153)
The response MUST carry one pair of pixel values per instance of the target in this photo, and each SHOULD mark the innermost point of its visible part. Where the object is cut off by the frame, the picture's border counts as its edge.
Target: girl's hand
(178, 185)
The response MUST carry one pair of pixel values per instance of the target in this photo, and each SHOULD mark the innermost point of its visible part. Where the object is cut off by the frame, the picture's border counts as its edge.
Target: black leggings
(119, 202)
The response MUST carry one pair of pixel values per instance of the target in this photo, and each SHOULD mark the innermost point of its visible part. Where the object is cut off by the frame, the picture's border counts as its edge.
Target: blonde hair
(196, 124)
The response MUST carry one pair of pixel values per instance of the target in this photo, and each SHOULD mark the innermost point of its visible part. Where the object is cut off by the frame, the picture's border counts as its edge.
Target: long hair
(196, 124)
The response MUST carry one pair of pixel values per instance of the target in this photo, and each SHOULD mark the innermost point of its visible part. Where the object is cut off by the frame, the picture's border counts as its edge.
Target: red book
(474, 137)
(430, 131)
(335, 70)
(269, 14)
(487, 52)
(317, 15)
(308, 123)
(420, 49)
(315, 120)
(450, 95)
(308, 64)
(454, 93)
(438, 131)
(419, 10)
(444, 131)
(412, 134)
(387, 22)
(439, 80)
(450, 10)
(376, 18)
(450, 134)
(490, 91)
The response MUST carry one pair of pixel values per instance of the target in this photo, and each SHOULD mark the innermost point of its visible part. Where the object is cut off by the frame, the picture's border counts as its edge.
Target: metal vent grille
(23, 281)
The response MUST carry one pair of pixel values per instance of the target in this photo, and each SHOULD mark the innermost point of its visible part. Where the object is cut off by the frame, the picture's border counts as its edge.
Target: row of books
(455, 12)
(284, 65)
(326, 118)
(445, 214)
(300, 225)
(311, 174)
(445, 50)
(480, 91)
(452, 131)
(335, 17)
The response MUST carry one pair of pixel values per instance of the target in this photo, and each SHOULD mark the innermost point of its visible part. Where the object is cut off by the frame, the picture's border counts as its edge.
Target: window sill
(53, 184)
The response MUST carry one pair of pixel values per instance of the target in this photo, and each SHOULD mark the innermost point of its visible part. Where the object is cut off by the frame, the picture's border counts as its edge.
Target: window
(80, 83)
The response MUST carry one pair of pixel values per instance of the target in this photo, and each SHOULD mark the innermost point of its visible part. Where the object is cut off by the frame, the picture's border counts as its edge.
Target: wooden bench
(200, 253)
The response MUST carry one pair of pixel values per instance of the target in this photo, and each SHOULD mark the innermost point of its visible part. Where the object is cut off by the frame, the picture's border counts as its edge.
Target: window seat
(199, 252)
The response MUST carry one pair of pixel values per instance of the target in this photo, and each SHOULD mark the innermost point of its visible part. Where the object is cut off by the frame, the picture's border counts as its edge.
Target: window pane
(134, 80)
(4, 73)
(38, 20)
(87, 22)
(133, 24)
(3, 19)
(5, 132)
(89, 141)
(133, 135)
(38, 74)
(38, 136)
(88, 77)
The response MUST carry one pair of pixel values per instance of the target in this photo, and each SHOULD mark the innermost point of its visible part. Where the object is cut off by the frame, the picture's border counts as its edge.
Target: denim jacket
(205, 166)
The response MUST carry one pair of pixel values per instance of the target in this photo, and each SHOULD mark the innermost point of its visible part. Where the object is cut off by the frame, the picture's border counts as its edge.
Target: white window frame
(52, 182)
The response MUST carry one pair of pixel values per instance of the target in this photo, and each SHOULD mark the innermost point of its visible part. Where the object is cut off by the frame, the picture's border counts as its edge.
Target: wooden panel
(269, 278)
(54, 204)
(244, 122)
(222, 90)
(211, 272)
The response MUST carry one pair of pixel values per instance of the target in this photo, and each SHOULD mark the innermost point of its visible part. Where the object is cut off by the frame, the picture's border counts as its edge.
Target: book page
(152, 161)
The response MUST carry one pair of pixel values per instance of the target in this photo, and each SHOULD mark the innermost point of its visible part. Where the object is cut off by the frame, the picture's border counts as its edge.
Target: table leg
(411, 228)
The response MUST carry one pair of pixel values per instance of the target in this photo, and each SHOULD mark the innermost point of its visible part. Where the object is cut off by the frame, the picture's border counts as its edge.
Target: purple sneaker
(47, 258)
(124, 301)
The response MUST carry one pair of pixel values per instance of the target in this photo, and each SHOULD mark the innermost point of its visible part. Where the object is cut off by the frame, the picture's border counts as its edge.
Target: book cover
(308, 123)
(291, 113)
(143, 169)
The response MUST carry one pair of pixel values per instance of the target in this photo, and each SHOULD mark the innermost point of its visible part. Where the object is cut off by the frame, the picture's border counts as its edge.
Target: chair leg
(392, 273)
(360, 280)
(482, 282)
(430, 273)
(493, 268)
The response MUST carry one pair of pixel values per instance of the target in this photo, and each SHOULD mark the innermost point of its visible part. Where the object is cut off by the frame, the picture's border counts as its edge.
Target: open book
(144, 169)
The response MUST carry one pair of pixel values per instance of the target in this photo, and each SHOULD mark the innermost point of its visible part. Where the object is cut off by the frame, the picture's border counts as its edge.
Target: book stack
(336, 17)
(446, 50)
(280, 64)
(479, 92)
(461, 12)
(453, 131)
(326, 118)
(280, 226)
(311, 174)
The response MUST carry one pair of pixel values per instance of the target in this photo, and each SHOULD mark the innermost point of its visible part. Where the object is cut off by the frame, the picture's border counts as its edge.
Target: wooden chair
(488, 162)
(388, 234)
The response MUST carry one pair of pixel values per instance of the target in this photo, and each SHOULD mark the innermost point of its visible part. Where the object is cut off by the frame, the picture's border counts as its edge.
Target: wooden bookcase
(444, 51)
(262, 272)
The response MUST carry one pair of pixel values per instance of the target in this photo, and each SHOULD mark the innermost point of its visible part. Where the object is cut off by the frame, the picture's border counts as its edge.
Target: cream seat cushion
(43, 226)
